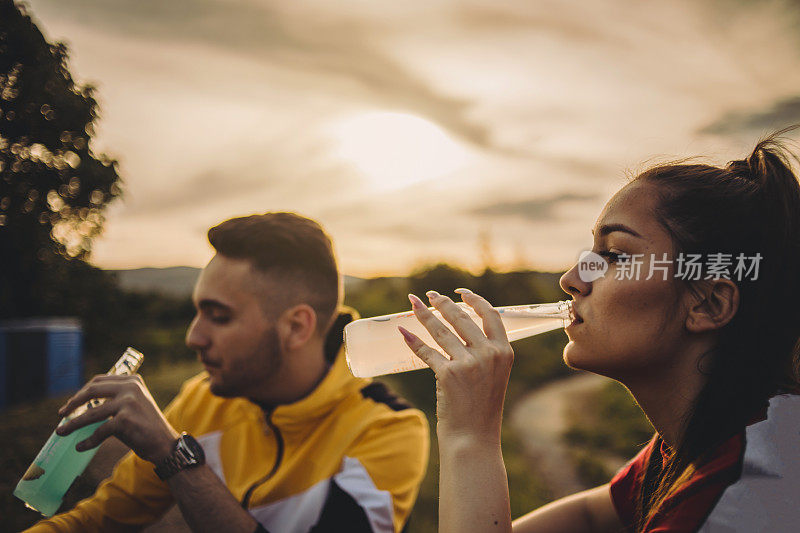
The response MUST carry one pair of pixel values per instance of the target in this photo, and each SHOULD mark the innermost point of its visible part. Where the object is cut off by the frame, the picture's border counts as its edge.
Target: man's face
(234, 338)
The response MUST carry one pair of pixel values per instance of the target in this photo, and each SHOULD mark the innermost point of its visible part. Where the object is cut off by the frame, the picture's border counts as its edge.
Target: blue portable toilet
(39, 357)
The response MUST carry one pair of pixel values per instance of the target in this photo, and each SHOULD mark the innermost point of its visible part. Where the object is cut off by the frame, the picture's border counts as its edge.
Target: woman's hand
(471, 385)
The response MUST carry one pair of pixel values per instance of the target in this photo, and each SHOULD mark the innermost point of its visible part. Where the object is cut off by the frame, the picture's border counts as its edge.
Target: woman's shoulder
(765, 493)
(727, 488)
(627, 482)
(685, 509)
(771, 443)
(690, 504)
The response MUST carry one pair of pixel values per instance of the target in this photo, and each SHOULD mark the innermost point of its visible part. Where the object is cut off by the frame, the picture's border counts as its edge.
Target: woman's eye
(614, 257)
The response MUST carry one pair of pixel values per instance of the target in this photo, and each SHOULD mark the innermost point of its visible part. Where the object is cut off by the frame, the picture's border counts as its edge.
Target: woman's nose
(572, 284)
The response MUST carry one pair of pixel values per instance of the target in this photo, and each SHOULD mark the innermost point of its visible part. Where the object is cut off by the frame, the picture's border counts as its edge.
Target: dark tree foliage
(442, 278)
(53, 188)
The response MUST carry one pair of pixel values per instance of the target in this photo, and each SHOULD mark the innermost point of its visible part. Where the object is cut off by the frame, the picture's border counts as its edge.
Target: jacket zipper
(278, 459)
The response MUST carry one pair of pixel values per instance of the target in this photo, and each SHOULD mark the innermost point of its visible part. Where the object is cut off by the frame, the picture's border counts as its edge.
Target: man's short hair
(293, 250)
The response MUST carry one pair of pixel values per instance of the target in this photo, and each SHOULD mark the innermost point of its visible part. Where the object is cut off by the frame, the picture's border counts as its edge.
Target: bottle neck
(562, 310)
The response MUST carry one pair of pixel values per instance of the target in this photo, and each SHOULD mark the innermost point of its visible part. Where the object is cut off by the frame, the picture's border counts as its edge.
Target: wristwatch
(186, 454)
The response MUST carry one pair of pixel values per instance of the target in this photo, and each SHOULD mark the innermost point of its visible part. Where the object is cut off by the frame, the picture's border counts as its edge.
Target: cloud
(779, 114)
(489, 17)
(533, 209)
(413, 233)
(263, 177)
(217, 108)
(344, 56)
(199, 189)
(587, 169)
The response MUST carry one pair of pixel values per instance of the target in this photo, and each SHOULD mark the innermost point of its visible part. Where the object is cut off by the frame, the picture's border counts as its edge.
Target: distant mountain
(175, 281)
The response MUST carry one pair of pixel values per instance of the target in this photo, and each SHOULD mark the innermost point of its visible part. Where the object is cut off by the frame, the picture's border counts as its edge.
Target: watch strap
(181, 458)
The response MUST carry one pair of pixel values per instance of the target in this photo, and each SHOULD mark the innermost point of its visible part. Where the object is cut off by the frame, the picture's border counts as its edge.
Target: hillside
(177, 281)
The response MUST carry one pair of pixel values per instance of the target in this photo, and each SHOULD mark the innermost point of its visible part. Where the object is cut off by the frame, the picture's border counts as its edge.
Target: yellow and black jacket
(348, 457)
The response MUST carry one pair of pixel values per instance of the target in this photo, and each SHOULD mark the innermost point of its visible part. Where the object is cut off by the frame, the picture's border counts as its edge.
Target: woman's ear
(296, 326)
(714, 304)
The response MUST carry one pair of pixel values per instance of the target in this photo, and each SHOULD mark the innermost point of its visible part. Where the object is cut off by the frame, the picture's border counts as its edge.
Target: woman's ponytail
(771, 165)
(749, 208)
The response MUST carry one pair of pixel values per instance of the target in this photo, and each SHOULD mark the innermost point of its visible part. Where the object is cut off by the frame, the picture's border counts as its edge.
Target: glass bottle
(58, 463)
(375, 347)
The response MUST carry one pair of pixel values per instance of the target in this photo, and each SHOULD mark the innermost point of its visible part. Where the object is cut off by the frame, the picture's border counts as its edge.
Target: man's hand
(135, 419)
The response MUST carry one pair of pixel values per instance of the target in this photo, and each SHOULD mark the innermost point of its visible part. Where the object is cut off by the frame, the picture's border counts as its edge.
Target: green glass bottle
(58, 463)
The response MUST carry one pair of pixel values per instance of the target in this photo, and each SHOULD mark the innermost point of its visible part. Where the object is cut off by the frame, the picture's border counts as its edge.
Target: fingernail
(406, 334)
(432, 294)
(59, 430)
(416, 303)
(80, 446)
(463, 291)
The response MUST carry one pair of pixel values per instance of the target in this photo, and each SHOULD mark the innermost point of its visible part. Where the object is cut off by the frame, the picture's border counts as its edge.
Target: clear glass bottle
(58, 463)
(375, 347)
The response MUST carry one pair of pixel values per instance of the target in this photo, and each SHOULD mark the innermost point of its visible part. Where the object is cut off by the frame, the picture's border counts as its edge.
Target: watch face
(187, 453)
(193, 448)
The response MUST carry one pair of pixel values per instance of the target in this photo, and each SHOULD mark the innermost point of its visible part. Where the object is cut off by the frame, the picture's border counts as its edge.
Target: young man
(276, 435)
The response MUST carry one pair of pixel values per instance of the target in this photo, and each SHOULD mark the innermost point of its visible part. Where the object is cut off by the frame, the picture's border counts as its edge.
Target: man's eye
(220, 319)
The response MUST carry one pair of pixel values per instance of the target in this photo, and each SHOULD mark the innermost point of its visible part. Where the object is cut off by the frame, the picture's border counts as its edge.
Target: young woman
(711, 360)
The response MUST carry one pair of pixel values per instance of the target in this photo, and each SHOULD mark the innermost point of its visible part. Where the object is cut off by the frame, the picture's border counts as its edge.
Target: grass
(527, 491)
(606, 422)
(591, 471)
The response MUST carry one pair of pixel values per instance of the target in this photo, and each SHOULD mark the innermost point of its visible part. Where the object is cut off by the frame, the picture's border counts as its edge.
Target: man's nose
(196, 339)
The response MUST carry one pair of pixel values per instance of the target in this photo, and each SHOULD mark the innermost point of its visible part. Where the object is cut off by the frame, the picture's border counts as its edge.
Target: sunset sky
(414, 131)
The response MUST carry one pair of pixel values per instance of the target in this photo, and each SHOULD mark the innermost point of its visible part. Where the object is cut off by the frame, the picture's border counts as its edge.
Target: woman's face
(627, 327)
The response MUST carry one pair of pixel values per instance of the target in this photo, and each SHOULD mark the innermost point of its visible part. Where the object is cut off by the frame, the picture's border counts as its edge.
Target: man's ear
(713, 304)
(296, 326)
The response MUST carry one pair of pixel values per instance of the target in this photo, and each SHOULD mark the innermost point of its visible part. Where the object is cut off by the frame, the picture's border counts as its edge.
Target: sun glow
(395, 150)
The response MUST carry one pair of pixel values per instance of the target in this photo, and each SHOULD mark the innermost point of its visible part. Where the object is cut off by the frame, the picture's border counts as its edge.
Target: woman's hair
(749, 207)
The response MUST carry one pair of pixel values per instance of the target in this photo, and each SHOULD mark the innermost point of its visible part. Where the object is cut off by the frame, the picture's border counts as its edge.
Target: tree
(442, 277)
(53, 188)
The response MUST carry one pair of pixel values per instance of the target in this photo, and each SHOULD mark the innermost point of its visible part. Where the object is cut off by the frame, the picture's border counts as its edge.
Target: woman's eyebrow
(605, 229)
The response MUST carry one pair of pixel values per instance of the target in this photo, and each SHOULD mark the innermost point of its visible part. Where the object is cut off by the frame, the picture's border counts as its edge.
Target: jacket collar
(337, 384)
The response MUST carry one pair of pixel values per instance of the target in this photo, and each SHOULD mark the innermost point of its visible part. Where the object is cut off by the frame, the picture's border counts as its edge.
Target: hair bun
(745, 168)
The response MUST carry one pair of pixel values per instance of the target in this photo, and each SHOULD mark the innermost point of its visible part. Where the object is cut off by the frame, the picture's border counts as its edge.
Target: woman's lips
(576, 317)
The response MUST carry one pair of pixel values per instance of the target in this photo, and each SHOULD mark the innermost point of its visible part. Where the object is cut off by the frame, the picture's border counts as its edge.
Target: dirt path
(539, 421)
